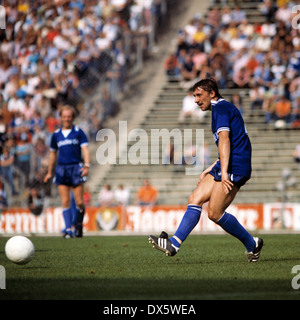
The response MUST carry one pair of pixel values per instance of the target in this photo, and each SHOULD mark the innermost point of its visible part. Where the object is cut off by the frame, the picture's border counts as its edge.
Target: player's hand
(226, 183)
(84, 171)
(47, 177)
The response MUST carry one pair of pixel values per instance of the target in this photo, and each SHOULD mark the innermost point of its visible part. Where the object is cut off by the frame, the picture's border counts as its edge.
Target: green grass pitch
(128, 268)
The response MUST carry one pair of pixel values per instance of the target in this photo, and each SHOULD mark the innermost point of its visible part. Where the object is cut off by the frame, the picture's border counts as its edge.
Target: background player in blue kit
(220, 182)
(69, 147)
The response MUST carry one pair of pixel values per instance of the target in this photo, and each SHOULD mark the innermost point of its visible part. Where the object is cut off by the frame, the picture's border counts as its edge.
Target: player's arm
(86, 160)
(52, 161)
(224, 153)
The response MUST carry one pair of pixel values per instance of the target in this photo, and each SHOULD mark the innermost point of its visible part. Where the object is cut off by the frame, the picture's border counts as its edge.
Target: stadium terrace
(114, 147)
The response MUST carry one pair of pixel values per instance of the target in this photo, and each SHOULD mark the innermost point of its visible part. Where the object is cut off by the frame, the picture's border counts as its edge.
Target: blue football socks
(231, 225)
(187, 224)
(228, 222)
(67, 214)
(74, 210)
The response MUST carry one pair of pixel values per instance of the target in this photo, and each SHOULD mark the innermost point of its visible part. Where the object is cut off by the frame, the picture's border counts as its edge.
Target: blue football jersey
(227, 117)
(69, 146)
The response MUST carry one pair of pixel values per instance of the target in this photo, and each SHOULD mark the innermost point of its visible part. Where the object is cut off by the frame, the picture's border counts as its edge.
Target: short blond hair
(67, 107)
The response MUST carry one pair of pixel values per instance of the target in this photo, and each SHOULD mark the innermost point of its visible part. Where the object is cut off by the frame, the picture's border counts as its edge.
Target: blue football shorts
(69, 174)
(239, 181)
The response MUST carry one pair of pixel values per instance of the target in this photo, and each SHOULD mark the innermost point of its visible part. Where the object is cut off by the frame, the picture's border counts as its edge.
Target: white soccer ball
(19, 250)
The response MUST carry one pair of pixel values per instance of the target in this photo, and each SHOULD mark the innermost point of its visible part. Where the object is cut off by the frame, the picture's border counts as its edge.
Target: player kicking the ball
(220, 182)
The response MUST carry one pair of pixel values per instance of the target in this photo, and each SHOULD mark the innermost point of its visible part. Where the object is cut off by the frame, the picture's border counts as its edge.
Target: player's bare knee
(191, 198)
(195, 200)
(213, 215)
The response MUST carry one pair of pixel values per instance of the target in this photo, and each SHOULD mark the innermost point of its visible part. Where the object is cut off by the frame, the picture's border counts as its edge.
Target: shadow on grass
(134, 289)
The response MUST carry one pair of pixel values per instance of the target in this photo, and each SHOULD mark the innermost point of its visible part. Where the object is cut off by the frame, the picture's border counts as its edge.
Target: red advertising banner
(279, 216)
(144, 219)
(21, 220)
(160, 218)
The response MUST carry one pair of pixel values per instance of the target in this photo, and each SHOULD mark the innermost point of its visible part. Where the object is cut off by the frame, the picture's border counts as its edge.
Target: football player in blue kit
(218, 184)
(69, 148)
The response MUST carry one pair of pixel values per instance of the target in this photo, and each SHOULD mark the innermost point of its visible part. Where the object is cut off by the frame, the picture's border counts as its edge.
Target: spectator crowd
(54, 53)
(57, 52)
(263, 57)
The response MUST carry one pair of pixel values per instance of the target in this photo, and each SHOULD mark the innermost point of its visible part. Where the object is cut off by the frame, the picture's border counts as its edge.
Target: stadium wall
(137, 219)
